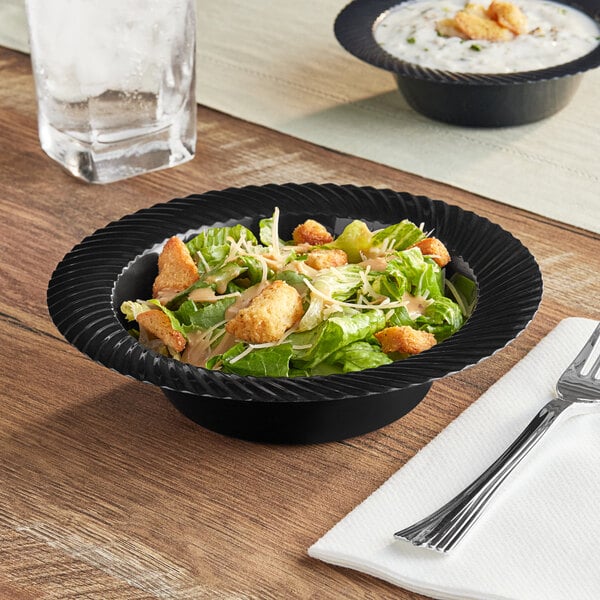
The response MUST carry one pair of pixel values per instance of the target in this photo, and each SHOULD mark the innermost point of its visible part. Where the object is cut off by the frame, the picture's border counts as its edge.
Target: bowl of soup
(482, 64)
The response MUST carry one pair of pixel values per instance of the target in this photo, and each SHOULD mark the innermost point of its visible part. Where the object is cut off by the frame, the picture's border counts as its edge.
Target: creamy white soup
(555, 34)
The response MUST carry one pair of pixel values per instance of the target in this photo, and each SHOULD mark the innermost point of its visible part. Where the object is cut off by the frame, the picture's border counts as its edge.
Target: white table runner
(278, 64)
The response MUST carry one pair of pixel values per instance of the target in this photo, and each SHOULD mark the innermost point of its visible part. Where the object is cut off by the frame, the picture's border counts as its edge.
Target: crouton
(176, 268)
(311, 232)
(322, 258)
(435, 249)
(157, 324)
(405, 339)
(447, 28)
(268, 316)
(475, 27)
(508, 15)
(476, 9)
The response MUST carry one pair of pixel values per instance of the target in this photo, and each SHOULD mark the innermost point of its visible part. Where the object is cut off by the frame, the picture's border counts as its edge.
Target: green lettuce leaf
(292, 278)
(355, 238)
(296, 280)
(442, 318)
(254, 269)
(180, 298)
(340, 283)
(265, 232)
(211, 257)
(358, 356)
(399, 236)
(273, 361)
(132, 308)
(333, 334)
(203, 316)
(213, 245)
(398, 317)
(313, 315)
(391, 283)
(218, 236)
(221, 276)
(424, 276)
(464, 291)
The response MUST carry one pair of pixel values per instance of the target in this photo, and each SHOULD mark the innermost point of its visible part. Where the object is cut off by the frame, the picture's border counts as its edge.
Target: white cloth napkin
(539, 539)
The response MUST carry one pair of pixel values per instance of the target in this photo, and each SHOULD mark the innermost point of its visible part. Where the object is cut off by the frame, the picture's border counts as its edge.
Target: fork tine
(594, 370)
(581, 359)
(445, 527)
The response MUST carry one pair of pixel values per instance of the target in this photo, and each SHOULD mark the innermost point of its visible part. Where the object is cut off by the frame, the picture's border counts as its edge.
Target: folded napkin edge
(411, 585)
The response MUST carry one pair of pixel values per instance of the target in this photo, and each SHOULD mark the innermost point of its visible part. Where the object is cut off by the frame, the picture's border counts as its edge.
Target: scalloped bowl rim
(67, 298)
(372, 52)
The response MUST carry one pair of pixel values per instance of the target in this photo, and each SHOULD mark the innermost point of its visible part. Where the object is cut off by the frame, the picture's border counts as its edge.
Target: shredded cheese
(203, 261)
(265, 268)
(241, 355)
(275, 234)
(367, 289)
(251, 347)
(330, 300)
(197, 297)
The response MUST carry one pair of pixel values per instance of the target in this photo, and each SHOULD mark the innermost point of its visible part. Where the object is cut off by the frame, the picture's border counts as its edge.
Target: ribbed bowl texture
(118, 262)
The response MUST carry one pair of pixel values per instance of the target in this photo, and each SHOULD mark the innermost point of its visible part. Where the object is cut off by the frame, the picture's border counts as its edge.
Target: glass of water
(115, 82)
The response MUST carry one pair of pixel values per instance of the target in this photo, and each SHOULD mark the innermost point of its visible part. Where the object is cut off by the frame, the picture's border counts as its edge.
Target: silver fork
(578, 387)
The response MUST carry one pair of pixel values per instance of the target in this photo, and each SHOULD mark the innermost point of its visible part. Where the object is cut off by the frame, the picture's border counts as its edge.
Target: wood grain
(106, 491)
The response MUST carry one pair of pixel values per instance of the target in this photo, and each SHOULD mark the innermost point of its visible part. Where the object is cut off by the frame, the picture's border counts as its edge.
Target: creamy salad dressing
(415, 305)
(557, 34)
(198, 350)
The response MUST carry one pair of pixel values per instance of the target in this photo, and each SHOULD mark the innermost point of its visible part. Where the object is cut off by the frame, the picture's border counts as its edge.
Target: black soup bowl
(119, 262)
(467, 99)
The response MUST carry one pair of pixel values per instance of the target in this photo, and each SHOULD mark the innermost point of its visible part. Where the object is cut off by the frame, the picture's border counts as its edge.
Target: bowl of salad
(295, 313)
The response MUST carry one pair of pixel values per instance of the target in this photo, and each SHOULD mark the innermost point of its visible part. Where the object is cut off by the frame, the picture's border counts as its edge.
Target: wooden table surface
(106, 491)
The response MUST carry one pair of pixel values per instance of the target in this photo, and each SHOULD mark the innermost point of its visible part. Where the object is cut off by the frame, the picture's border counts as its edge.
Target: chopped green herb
(411, 40)
(475, 47)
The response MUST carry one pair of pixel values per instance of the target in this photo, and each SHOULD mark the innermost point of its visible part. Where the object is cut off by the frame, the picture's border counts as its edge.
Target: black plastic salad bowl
(121, 261)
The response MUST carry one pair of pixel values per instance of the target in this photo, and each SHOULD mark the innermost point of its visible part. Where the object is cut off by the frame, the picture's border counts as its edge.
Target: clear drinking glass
(115, 83)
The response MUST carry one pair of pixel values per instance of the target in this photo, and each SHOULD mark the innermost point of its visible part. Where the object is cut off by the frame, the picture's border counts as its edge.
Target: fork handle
(444, 528)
